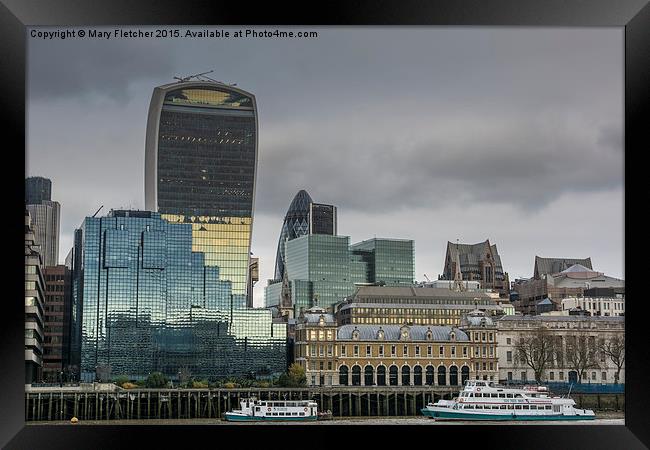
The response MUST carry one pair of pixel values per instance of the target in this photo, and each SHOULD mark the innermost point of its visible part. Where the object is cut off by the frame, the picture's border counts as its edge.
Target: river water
(608, 419)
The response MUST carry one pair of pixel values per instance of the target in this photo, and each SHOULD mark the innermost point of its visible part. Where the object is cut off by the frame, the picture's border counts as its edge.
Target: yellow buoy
(74, 420)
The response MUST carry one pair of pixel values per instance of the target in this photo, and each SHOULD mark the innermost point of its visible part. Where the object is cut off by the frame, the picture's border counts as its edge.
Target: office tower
(323, 270)
(150, 302)
(37, 189)
(34, 311)
(56, 323)
(389, 262)
(303, 217)
(201, 158)
(45, 217)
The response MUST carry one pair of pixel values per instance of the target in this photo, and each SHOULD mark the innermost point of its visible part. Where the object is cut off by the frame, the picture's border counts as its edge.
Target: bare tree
(537, 351)
(581, 355)
(614, 349)
(103, 372)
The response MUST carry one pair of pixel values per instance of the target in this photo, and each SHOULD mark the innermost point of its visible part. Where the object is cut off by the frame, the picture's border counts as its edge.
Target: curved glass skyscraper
(303, 217)
(201, 159)
(296, 223)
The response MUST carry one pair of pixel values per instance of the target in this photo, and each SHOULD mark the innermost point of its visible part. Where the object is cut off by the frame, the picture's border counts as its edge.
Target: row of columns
(459, 380)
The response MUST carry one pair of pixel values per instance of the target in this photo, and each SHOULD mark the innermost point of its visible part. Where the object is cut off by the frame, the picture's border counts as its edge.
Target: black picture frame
(633, 15)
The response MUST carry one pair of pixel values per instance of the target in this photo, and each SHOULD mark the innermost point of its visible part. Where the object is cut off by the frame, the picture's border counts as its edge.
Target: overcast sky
(425, 133)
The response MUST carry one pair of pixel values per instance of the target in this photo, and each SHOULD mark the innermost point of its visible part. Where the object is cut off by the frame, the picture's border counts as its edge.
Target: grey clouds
(513, 134)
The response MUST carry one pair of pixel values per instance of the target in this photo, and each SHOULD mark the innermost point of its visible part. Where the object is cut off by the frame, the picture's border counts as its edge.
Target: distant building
(480, 262)
(324, 269)
(303, 217)
(37, 190)
(598, 302)
(567, 331)
(570, 282)
(148, 302)
(34, 306)
(384, 305)
(482, 332)
(56, 323)
(45, 217)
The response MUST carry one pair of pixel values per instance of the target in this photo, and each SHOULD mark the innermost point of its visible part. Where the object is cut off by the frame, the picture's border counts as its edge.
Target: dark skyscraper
(37, 189)
(303, 217)
(201, 158)
(45, 216)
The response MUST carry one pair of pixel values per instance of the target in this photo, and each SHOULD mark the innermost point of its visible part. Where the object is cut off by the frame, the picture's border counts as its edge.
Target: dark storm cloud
(79, 68)
(386, 123)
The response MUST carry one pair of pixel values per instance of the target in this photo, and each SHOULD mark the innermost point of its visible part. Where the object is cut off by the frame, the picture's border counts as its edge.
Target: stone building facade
(393, 355)
(566, 331)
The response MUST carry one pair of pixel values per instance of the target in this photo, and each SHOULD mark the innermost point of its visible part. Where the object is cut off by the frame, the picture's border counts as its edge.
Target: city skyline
(549, 91)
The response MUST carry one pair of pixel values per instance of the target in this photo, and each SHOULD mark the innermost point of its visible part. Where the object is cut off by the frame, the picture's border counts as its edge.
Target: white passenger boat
(253, 410)
(484, 400)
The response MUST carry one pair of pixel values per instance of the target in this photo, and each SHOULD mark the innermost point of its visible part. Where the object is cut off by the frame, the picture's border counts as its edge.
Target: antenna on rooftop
(188, 78)
(98, 210)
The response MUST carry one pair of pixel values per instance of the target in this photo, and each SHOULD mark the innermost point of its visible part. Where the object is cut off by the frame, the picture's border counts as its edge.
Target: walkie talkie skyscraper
(201, 159)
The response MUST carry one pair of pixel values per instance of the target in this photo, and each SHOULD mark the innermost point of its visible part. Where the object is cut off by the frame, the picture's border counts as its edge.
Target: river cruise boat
(253, 410)
(485, 400)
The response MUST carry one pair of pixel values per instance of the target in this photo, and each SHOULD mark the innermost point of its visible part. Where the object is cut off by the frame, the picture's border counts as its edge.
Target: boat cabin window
(508, 395)
(533, 395)
(302, 413)
(525, 406)
(511, 406)
(517, 406)
(257, 409)
(518, 396)
(503, 406)
(547, 407)
(502, 395)
(479, 406)
(533, 407)
(494, 395)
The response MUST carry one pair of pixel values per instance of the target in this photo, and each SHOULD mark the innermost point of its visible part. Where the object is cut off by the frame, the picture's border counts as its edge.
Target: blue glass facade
(144, 301)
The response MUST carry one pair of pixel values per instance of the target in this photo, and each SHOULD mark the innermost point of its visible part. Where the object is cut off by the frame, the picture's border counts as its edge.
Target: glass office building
(201, 158)
(303, 217)
(326, 269)
(144, 300)
(389, 262)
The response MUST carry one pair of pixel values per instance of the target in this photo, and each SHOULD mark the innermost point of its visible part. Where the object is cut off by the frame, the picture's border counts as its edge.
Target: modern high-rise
(323, 270)
(37, 189)
(45, 217)
(303, 217)
(200, 164)
(56, 323)
(34, 310)
(146, 301)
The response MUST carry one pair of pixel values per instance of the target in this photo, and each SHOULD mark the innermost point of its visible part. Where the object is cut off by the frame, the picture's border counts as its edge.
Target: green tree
(156, 380)
(121, 380)
(294, 376)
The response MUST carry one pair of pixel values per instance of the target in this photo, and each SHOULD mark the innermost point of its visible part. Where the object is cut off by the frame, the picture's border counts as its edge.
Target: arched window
(392, 375)
(442, 376)
(430, 375)
(356, 375)
(453, 376)
(343, 375)
(368, 373)
(417, 375)
(464, 374)
(381, 376)
(406, 375)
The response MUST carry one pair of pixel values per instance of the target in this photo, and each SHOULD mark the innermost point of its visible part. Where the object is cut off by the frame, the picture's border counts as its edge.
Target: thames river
(605, 419)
